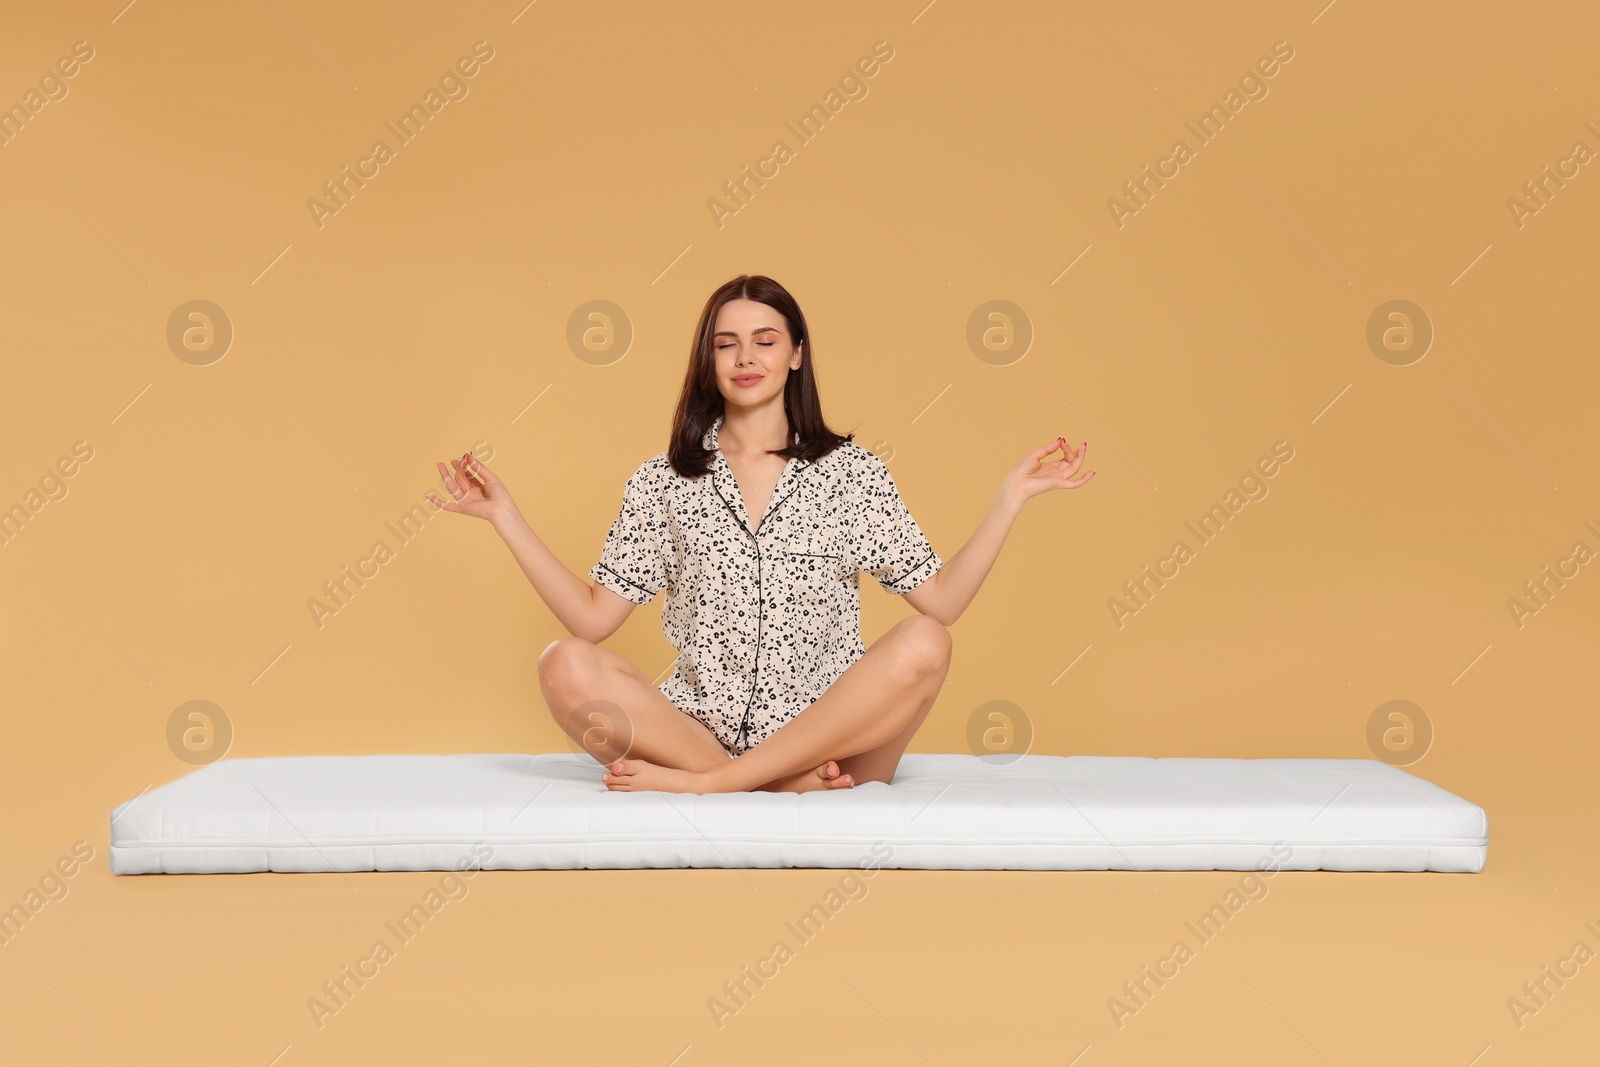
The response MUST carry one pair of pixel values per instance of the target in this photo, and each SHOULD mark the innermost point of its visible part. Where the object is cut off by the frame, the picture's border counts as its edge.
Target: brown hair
(700, 402)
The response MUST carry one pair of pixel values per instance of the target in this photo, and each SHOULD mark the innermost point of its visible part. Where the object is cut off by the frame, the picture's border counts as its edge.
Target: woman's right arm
(587, 610)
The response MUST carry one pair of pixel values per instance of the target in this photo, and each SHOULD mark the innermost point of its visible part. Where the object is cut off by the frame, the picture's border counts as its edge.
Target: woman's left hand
(1033, 476)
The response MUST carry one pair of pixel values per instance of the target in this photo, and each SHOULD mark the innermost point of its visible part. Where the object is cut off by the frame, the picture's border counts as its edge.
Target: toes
(831, 778)
(620, 775)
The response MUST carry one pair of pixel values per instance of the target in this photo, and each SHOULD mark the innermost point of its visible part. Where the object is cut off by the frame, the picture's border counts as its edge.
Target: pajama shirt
(763, 622)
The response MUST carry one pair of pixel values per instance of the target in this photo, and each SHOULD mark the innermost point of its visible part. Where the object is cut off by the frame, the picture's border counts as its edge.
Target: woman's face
(754, 353)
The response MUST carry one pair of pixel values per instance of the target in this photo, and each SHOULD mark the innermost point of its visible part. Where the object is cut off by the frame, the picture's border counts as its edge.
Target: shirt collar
(727, 486)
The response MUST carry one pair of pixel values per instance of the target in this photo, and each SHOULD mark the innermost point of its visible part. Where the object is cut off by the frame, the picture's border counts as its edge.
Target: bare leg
(607, 705)
(874, 765)
(872, 707)
(879, 764)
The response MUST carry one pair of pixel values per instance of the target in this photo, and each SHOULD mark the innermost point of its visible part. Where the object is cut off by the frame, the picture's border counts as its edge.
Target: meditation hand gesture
(474, 489)
(1032, 476)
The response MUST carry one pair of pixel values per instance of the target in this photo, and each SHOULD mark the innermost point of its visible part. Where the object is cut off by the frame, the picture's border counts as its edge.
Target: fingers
(1070, 462)
(1072, 468)
(477, 470)
(1040, 453)
(455, 490)
(459, 479)
(1065, 471)
(1068, 453)
(467, 472)
(1076, 458)
(445, 505)
(469, 467)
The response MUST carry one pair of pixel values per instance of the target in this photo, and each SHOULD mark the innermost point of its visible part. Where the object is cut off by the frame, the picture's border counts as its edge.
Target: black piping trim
(773, 510)
(913, 570)
(755, 684)
(744, 721)
(630, 581)
(731, 512)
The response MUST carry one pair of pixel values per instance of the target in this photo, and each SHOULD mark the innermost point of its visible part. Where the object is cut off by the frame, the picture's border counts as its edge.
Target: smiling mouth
(748, 378)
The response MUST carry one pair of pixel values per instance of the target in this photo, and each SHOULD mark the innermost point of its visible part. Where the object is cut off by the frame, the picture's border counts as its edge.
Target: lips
(747, 379)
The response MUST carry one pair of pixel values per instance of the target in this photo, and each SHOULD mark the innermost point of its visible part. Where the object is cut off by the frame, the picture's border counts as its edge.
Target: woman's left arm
(946, 595)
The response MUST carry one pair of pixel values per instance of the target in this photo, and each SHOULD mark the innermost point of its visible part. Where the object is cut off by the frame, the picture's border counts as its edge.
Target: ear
(799, 351)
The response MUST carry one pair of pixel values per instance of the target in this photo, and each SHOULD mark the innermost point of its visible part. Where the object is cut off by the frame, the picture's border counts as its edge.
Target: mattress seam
(650, 838)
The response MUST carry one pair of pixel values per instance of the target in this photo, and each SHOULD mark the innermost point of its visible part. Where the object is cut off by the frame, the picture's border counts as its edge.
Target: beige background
(431, 313)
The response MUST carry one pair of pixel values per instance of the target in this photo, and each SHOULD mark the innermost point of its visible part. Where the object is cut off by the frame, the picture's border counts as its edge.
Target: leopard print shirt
(763, 623)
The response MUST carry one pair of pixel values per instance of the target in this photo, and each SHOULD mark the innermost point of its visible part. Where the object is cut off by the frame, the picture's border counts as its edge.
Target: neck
(750, 432)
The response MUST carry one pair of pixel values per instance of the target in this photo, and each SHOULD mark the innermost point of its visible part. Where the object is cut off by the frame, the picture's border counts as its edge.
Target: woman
(757, 520)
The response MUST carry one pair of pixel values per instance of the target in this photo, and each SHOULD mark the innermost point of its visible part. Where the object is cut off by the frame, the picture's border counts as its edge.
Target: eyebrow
(758, 329)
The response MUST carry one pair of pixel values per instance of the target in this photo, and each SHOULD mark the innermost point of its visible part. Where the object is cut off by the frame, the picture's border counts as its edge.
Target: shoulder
(859, 465)
(651, 480)
(854, 459)
(655, 467)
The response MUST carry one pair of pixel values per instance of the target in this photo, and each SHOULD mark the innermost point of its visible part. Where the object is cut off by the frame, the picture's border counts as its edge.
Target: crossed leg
(864, 722)
(608, 707)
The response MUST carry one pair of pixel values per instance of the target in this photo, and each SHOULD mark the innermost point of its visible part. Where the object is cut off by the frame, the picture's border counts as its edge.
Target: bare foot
(637, 775)
(826, 776)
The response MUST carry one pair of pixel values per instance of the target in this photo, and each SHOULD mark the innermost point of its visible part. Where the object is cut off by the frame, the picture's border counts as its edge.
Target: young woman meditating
(757, 521)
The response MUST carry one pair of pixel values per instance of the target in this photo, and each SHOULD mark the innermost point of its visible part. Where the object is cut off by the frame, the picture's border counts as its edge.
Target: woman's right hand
(491, 500)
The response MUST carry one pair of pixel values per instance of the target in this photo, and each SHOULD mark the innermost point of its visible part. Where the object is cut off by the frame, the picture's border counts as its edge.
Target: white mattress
(943, 811)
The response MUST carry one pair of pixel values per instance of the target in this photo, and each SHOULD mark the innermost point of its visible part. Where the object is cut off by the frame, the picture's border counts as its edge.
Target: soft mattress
(943, 811)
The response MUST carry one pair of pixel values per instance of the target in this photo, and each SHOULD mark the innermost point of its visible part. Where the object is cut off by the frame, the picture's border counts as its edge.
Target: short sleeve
(633, 561)
(886, 541)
